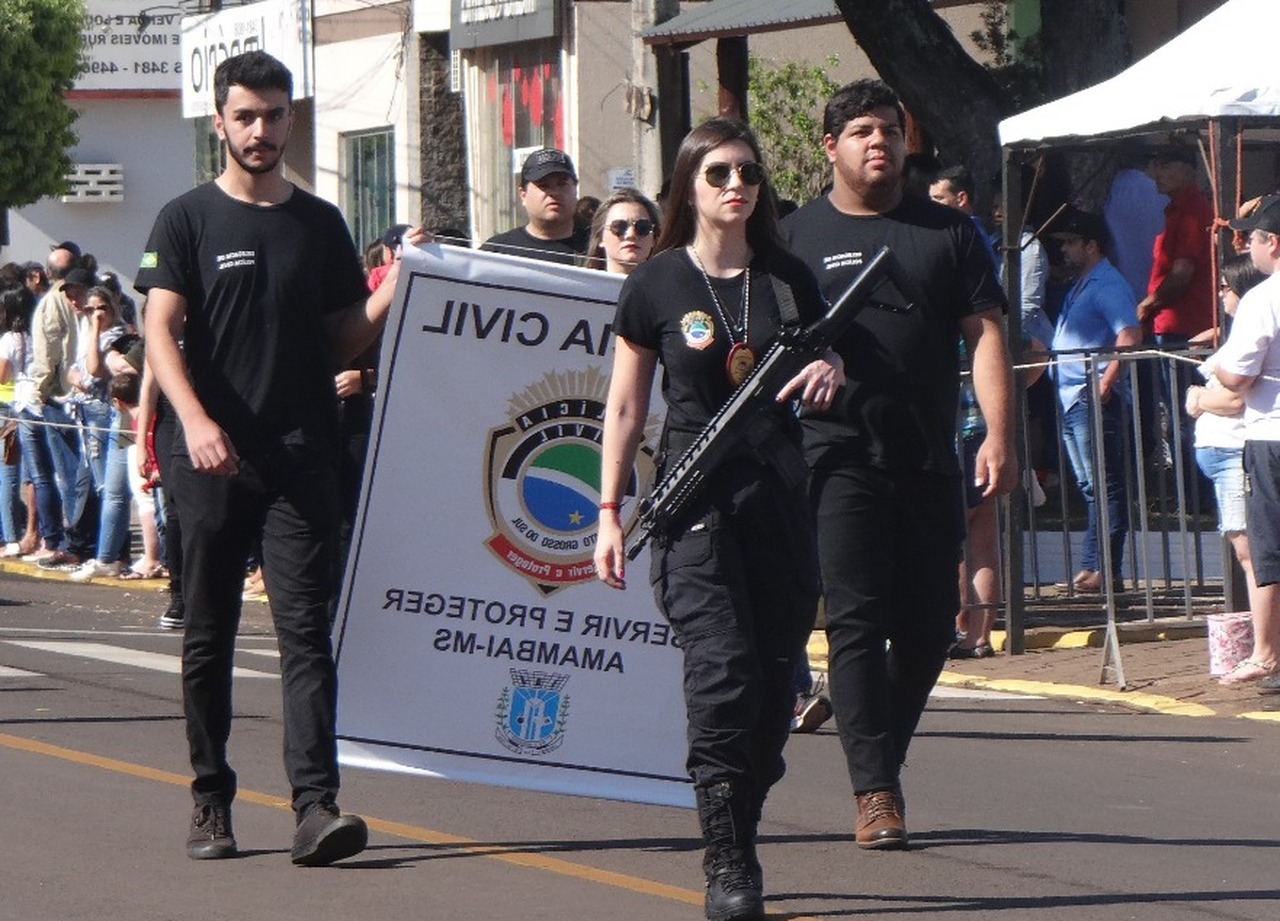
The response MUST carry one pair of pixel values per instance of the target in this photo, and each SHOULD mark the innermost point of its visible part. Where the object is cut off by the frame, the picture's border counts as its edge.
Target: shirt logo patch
(698, 328)
(240, 257)
(149, 261)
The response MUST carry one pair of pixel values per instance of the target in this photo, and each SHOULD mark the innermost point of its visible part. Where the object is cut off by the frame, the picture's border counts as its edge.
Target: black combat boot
(725, 814)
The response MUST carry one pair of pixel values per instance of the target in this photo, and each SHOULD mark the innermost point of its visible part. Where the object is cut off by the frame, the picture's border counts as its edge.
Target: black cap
(1075, 222)
(72, 248)
(82, 277)
(542, 163)
(1265, 217)
(1174, 152)
(392, 235)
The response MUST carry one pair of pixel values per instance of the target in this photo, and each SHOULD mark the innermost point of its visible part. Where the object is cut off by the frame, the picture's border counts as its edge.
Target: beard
(271, 157)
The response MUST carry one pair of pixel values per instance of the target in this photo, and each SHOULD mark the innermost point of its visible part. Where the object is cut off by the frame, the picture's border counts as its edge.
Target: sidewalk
(1165, 664)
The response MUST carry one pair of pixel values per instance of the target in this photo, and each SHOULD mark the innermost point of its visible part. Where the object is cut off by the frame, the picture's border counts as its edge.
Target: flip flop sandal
(1247, 670)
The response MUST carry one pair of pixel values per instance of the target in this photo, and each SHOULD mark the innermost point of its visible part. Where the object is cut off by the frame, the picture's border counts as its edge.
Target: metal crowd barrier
(1175, 560)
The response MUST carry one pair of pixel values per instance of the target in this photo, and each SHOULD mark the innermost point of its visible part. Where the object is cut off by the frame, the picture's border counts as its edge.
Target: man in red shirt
(1180, 293)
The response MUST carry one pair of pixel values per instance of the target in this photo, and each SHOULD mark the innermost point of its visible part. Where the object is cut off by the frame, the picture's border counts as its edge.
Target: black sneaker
(324, 835)
(210, 837)
(174, 617)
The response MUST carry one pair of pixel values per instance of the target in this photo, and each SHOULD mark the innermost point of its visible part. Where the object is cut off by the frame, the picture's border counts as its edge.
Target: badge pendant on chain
(740, 363)
(741, 360)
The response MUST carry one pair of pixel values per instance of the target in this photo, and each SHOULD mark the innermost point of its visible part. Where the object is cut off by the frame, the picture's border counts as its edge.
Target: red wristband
(610, 506)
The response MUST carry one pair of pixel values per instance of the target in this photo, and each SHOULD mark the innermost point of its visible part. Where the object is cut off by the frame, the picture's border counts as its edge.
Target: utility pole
(656, 96)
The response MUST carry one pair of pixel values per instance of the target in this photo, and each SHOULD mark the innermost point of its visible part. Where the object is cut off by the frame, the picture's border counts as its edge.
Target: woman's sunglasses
(717, 174)
(643, 227)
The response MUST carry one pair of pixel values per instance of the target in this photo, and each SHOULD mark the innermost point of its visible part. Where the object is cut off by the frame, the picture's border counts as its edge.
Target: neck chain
(742, 359)
(734, 331)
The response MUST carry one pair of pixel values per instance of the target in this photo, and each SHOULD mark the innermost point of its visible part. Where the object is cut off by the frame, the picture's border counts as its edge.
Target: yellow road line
(1153, 702)
(505, 853)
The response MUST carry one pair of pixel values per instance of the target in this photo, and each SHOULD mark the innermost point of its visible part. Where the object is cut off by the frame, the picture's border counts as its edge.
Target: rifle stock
(732, 426)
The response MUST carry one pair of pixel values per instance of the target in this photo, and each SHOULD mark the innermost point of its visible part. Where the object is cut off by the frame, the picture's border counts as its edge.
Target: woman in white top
(16, 390)
(1219, 434)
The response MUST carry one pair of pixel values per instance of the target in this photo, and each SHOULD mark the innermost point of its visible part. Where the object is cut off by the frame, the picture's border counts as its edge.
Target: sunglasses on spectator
(717, 174)
(643, 227)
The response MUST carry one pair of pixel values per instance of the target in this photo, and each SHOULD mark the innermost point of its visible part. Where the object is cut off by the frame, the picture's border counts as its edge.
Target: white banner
(474, 641)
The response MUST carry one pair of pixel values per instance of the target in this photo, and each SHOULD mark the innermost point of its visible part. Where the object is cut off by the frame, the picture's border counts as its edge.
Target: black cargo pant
(889, 546)
(737, 580)
(290, 497)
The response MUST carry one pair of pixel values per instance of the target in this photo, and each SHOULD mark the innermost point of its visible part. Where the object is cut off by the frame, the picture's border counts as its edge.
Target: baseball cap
(1265, 217)
(1075, 222)
(392, 235)
(82, 277)
(542, 163)
(72, 248)
(1174, 152)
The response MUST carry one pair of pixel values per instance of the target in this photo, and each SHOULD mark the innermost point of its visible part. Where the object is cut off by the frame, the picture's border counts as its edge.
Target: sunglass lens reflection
(717, 174)
(643, 227)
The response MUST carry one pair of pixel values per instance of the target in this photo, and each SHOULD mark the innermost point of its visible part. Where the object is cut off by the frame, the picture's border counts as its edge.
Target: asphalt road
(1020, 808)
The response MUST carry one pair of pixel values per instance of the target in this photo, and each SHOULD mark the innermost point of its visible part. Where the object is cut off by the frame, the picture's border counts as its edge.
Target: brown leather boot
(880, 824)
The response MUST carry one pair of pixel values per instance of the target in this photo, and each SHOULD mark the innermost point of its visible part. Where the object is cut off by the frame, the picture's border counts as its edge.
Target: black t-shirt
(519, 242)
(665, 306)
(258, 282)
(898, 410)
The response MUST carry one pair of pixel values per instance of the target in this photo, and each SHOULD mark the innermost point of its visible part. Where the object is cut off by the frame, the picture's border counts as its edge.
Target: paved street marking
(117, 655)
(510, 854)
(6, 672)
(945, 693)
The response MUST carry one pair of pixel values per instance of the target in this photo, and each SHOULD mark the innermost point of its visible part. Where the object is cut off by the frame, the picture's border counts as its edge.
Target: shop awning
(725, 18)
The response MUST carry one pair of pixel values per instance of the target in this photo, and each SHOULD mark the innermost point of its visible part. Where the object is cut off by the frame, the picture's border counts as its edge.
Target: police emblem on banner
(542, 479)
(532, 712)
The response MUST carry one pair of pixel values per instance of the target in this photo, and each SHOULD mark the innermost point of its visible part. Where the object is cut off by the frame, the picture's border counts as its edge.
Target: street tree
(785, 102)
(957, 99)
(40, 44)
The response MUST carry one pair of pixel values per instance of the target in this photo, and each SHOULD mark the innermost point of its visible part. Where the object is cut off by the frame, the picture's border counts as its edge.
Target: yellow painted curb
(1154, 702)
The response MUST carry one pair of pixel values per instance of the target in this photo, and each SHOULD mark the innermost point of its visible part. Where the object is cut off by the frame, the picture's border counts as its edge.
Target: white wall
(365, 84)
(155, 145)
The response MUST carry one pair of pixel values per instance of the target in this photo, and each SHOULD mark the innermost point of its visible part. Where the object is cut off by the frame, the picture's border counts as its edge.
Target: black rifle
(733, 426)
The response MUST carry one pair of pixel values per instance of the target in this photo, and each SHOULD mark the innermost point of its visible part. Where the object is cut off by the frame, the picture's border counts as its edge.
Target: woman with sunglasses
(1220, 435)
(623, 231)
(736, 574)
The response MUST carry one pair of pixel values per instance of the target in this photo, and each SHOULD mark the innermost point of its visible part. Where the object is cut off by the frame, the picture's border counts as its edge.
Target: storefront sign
(480, 23)
(131, 46)
(279, 27)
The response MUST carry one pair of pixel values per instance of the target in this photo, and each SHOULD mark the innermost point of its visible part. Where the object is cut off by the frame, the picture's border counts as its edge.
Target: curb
(1042, 638)
(1094, 637)
(31, 570)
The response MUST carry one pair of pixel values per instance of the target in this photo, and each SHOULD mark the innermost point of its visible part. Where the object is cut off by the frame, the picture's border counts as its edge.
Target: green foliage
(40, 43)
(785, 105)
(1016, 62)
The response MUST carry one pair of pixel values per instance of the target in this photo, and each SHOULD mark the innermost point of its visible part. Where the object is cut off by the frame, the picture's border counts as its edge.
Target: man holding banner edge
(262, 286)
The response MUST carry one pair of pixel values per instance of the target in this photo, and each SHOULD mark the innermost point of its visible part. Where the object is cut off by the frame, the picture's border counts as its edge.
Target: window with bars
(368, 182)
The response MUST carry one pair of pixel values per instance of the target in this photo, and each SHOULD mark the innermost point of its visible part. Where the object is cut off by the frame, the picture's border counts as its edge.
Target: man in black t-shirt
(549, 194)
(261, 284)
(886, 484)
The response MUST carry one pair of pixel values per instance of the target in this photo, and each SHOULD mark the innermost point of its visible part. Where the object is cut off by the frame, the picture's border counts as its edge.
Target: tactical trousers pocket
(690, 548)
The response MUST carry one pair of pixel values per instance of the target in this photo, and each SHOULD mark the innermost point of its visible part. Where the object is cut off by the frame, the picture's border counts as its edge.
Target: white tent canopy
(1223, 66)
